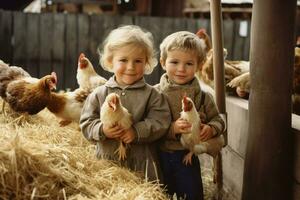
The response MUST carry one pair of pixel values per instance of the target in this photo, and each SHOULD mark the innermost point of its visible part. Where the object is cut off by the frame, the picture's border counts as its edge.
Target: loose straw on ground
(40, 160)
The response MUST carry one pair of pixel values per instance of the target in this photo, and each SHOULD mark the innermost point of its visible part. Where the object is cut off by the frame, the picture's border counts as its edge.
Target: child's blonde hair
(128, 35)
(183, 40)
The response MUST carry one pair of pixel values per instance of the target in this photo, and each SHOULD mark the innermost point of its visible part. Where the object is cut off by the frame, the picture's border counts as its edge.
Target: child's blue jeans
(184, 180)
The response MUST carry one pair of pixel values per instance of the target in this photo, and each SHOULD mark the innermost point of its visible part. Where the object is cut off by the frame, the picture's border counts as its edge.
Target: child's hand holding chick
(206, 132)
(113, 131)
(181, 126)
(128, 135)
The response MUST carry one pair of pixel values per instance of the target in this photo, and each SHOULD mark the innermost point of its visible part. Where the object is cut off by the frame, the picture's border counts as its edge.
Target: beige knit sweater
(208, 111)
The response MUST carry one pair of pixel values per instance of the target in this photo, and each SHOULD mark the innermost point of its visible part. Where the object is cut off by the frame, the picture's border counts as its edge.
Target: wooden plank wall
(42, 43)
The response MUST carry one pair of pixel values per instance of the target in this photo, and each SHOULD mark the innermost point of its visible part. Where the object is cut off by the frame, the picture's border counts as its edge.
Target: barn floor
(210, 188)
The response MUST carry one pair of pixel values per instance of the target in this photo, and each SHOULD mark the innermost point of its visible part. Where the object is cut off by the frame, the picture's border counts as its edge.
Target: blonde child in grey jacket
(182, 54)
(128, 53)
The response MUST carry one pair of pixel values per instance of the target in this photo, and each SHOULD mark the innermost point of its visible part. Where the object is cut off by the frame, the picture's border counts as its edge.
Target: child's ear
(199, 68)
(162, 63)
(109, 61)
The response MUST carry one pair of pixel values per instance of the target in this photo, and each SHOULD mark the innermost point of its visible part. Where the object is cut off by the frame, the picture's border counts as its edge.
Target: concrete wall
(234, 152)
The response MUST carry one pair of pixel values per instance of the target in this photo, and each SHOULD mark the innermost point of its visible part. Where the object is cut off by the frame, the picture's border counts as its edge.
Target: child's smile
(129, 64)
(181, 66)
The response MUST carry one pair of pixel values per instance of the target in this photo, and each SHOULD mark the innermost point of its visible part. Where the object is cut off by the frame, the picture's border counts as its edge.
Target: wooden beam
(269, 156)
(98, 2)
(224, 10)
(219, 80)
(218, 61)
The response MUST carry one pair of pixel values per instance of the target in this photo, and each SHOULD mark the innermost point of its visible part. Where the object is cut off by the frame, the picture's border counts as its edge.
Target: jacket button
(123, 93)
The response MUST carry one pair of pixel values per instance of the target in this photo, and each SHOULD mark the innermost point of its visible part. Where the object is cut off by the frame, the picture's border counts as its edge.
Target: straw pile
(40, 160)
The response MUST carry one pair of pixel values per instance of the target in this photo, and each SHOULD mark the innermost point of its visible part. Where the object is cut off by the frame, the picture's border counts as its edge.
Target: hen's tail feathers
(212, 146)
(121, 151)
(200, 148)
(242, 81)
(63, 123)
(215, 145)
(8, 74)
(235, 82)
(82, 94)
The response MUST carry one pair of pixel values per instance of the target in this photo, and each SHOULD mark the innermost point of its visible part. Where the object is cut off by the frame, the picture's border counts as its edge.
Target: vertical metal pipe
(268, 167)
(219, 81)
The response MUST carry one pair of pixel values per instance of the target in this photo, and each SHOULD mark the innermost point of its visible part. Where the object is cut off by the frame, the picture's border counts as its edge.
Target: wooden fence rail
(41, 43)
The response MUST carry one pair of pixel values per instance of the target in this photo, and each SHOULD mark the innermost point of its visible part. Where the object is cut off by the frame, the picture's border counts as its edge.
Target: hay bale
(40, 160)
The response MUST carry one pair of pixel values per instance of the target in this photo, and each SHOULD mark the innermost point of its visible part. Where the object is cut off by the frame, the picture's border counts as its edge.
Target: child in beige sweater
(182, 54)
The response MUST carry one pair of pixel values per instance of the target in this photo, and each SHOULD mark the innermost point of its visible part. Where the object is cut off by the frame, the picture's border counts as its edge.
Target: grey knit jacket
(151, 120)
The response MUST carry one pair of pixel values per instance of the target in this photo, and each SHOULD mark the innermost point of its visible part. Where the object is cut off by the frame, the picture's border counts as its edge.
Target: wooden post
(269, 157)
(218, 61)
(219, 81)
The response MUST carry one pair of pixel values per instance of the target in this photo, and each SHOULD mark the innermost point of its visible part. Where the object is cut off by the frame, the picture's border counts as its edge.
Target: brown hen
(24, 93)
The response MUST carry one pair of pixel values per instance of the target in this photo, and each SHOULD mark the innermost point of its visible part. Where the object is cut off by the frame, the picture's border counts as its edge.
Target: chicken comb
(54, 76)
(201, 32)
(184, 98)
(115, 99)
(81, 56)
